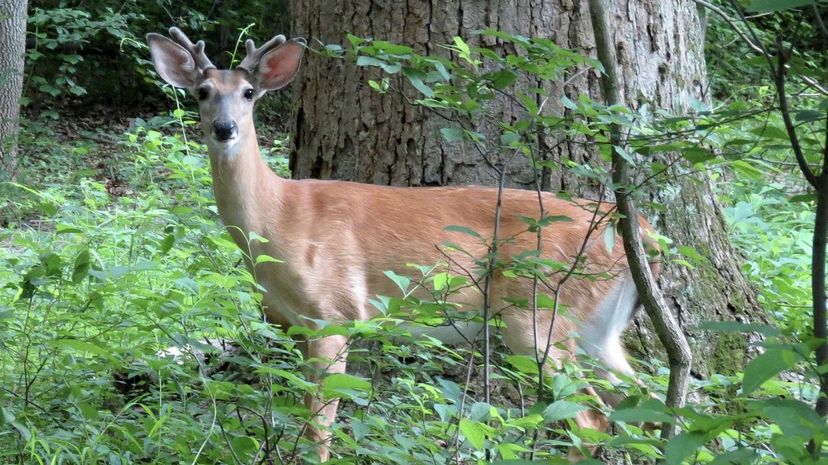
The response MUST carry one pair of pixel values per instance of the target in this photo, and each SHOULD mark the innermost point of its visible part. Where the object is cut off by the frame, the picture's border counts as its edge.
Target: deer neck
(243, 184)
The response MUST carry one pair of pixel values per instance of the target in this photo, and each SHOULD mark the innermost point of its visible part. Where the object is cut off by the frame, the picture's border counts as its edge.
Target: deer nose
(225, 130)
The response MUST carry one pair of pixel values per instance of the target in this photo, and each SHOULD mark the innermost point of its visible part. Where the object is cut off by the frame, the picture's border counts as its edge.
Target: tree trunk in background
(12, 50)
(344, 130)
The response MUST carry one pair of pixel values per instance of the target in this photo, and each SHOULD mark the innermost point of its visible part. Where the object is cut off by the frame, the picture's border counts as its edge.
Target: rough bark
(12, 49)
(344, 130)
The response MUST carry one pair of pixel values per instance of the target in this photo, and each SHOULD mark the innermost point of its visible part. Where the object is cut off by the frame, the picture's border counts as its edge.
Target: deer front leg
(328, 356)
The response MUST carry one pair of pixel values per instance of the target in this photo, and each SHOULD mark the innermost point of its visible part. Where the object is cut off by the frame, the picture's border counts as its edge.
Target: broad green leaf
(697, 155)
(561, 410)
(266, 259)
(681, 446)
(82, 346)
(452, 134)
(473, 432)
(462, 229)
(401, 281)
(807, 116)
(6, 416)
(766, 366)
(81, 268)
(502, 79)
(440, 281)
(167, 243)
(415, 77)
(690, 253)
(609, 238)
(649, 411)
(523, 363)
(344, 385)
(794, 417)
(742, 456)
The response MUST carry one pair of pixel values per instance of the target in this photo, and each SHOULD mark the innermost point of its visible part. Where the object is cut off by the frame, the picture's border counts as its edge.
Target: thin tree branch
(732, 23)
(666, 327)
(779, 81)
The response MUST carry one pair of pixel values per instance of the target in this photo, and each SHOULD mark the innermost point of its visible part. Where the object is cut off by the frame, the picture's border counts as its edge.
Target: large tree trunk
(12, 49)
(344, 130)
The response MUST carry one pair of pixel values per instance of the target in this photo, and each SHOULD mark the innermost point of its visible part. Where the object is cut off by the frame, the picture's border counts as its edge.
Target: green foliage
(78, 49)
(130, 333)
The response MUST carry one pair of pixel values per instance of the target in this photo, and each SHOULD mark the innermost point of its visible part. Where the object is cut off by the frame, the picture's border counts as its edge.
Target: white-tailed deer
(336, 239)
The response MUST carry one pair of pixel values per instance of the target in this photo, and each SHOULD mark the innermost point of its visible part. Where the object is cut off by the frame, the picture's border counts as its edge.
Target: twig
(732, 23)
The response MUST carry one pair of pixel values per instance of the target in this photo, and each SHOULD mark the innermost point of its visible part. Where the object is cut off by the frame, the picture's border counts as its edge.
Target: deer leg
(328, 355)
(518, 336)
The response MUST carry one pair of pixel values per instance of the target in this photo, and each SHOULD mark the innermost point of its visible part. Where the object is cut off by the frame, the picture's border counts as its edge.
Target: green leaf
(81, 267)
(807, 116)
(167, 243)
(440, 281)
(415, 77)
(401, 281)
(267, 259)
(794, 417)
(502, 79)
(764, 6)
(568, 103)
(561, 410)
(390, 68)
(766, 366)
(697, 155)
(472, 432)
(681, 446)
(6, 416)
(736, 457)
(609, 238)
(803, 198)
(453, 134)
(345, 385)
(523, 363)
(83, 346)
(462, 229)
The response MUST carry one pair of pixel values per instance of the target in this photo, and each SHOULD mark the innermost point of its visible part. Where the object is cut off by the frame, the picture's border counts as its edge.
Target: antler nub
(254, 55)
(196, 49)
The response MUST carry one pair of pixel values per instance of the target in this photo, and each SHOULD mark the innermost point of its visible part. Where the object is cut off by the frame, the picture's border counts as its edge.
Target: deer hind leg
(519, 337)
(329, 354)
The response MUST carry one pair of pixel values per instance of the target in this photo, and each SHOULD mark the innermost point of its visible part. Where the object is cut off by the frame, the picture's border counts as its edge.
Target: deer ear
(172, 62)
(278, 66)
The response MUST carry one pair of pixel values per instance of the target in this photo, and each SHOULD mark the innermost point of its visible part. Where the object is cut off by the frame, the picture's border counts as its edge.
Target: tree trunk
(12, 50)
(344, 130)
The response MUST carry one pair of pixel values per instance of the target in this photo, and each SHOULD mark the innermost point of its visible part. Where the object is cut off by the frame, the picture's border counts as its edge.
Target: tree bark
(12, 50)
(344, 130)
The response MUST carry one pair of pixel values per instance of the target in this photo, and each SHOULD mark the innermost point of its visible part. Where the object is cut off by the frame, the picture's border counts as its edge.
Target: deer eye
(248, 94)
(203, 93)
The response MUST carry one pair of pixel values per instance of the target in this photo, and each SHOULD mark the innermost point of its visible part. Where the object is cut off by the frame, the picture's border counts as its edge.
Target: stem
(818, 286)
(487, 301)
(779, 81)
(666, 327)
(819, 292)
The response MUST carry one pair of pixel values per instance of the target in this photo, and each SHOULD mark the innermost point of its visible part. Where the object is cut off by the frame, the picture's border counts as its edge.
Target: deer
(334, 240)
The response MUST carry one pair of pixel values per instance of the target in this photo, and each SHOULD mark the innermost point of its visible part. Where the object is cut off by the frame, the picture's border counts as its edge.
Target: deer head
(225, 97)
